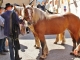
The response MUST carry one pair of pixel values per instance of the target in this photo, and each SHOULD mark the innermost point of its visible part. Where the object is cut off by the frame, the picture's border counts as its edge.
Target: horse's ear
(24, 5)
(15, 8)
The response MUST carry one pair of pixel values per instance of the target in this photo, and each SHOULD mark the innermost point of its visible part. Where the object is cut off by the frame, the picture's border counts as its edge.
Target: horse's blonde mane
(38, 14)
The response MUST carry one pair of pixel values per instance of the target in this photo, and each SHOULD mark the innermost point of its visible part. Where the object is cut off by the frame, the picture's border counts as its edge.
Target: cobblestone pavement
(56, 51)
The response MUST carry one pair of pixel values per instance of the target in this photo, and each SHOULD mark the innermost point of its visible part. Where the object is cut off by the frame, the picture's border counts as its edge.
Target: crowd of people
(6, 24)
(47, 7)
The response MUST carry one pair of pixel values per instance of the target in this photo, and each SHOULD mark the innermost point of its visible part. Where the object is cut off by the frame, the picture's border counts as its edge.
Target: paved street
(56, 51)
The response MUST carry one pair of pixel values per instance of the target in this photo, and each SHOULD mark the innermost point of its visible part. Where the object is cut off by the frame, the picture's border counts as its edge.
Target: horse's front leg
(37, 40)
(44, 47)
(62, 38)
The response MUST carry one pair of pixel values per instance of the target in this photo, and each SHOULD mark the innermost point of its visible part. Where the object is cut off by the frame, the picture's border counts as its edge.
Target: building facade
(20, 2)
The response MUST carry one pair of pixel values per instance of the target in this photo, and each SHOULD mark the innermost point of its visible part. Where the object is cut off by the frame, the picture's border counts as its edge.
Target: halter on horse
(52, 24)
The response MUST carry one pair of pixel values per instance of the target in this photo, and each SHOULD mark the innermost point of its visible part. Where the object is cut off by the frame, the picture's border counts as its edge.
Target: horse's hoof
(18, 58)
(37, 47)
(62, 43)
(71, 53)
(55, 42)
(77, 56)
(47, 54)
(34, 45)
(41, 58)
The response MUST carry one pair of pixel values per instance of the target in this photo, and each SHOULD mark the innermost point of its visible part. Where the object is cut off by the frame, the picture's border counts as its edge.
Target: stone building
(20, 2)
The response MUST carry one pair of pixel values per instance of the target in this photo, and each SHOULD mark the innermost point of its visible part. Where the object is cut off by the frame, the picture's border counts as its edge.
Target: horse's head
(28, 13)
(33, 14)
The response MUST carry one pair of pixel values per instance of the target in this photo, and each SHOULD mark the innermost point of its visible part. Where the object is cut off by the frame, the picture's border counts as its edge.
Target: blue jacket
(6, 16)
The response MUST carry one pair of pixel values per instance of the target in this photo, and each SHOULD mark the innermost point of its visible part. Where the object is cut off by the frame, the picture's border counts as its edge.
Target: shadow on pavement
(40, 52)
(59, 54)
(23, 47)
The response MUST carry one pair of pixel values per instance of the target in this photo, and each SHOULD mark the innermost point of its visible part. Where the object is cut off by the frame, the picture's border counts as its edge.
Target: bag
(17, 44)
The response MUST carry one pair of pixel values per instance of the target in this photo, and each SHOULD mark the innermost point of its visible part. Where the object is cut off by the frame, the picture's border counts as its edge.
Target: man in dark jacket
(43, 6)
(10, 30)
(39, 5)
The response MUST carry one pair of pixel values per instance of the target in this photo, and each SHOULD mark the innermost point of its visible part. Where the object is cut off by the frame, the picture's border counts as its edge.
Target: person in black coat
(43, 6)
(39, 5)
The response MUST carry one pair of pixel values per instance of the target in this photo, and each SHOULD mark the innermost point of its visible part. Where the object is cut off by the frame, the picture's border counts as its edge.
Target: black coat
(43, 7)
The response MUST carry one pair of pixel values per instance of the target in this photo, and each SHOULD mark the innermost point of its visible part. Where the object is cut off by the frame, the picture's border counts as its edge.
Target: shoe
(2, 53)
(5, 51)
(18, 58)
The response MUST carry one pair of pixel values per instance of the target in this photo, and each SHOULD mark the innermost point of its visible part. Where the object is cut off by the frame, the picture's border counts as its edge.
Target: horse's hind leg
(77, 49)
(75, 38)
(78, 42)
(62, 38)
(57, 39)
(74, 46)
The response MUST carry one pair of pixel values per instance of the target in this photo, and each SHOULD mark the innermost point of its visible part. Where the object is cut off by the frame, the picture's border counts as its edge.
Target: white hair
(38, 14)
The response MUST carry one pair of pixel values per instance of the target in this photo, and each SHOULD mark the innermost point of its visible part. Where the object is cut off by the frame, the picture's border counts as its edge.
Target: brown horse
(60, 36)
(52, 24)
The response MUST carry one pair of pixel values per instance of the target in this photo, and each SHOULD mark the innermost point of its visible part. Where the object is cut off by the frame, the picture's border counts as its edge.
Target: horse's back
(53, 25)
(73, 20)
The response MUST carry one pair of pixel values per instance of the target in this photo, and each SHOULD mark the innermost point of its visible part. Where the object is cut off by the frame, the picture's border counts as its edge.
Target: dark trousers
(4, 43)
(1, 45)
(13, 48)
